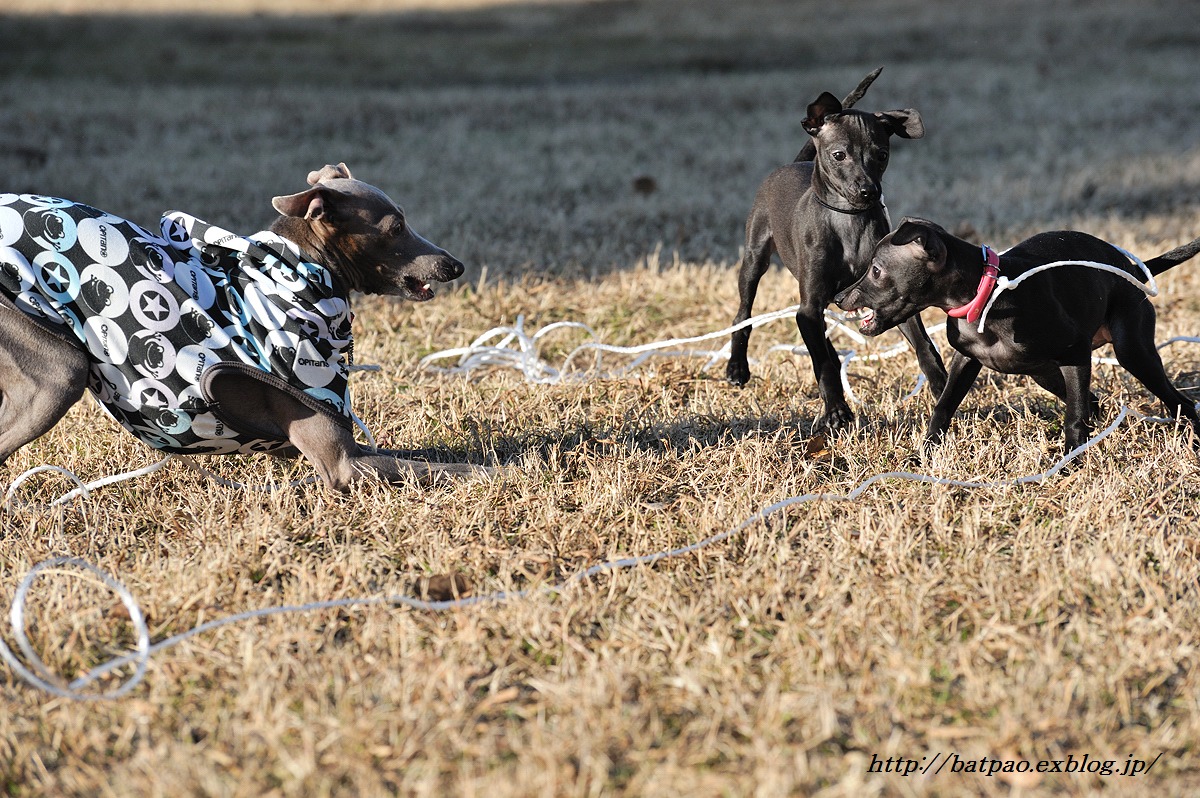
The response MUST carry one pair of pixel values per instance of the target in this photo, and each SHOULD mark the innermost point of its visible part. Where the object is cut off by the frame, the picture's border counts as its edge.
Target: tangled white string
(38, 675)
(84, 489)
(526, 359)
(516, 349)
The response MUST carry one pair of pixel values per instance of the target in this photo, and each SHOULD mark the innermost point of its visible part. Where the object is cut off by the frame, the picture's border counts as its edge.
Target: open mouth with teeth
(866, 320)
(418, 289)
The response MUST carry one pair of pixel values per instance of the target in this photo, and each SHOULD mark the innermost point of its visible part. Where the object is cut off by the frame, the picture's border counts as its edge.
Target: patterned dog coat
(161, 315)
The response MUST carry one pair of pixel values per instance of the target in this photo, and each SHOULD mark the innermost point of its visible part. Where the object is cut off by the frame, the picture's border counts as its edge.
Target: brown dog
(198, 340)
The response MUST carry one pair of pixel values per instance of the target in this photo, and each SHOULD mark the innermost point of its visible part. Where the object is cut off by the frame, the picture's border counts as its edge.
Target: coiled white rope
(526, 360)
(38, 675)
(519, 350)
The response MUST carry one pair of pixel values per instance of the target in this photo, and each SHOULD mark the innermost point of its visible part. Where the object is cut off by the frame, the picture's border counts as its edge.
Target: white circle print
(105, 340)
(153, 305)
(11, 226)
(15, 272)
(151, 396)
(194, 279)
(313, 369)
(192, 361)
(102, 241)
(56, 276)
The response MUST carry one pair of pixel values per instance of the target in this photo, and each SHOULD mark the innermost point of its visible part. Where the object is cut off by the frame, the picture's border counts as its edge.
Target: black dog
(823, 217)
(1046, 328)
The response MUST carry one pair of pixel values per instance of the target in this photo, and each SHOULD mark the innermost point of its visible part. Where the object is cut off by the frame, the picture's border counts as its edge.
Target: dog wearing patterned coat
(199, 340)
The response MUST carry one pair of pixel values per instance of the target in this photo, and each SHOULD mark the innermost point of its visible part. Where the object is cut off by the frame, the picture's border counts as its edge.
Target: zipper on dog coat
(162, 315)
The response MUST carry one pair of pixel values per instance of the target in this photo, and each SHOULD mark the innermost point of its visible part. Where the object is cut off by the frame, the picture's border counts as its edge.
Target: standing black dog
(823, 217)
(1046, 328)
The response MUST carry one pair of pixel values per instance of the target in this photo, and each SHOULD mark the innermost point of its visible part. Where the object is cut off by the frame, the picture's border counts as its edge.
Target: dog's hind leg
(248, 403)
(340, 460)
(1133, 344)
(41, 376)
(755, 262)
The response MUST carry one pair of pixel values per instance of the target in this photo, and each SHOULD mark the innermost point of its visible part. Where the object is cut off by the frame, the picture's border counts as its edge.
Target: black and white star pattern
(157, 310)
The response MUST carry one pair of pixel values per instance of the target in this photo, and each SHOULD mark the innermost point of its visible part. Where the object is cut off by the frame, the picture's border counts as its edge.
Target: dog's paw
(738, 372)
(836, 417)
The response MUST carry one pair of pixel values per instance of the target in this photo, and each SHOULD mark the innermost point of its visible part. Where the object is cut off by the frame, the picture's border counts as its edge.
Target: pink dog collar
(991, 271)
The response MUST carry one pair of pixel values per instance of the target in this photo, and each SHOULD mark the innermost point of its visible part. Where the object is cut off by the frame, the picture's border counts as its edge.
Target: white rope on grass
(83, 489)
(525, 359)
(38, 674)
(516, 349)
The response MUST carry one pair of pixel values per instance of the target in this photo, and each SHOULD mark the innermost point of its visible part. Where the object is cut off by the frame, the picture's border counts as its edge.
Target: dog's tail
(1171, 259)
(809, 151)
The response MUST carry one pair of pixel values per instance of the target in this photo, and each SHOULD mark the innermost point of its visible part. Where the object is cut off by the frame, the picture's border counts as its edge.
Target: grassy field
(1034, 623)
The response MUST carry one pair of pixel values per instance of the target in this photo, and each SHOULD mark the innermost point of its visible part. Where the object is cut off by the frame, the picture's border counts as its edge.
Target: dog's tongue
(867, 320)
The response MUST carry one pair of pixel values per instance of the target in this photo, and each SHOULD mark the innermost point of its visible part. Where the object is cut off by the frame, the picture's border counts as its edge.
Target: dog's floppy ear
(312, 204)
(905, 123)
(820, 108)
(308, 204)
(329, 172)
(911, 229)
(925, 235)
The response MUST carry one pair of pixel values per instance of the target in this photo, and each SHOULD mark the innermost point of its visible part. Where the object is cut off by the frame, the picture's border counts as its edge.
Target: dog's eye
(883, 156)
(875, 270)
(838, 155)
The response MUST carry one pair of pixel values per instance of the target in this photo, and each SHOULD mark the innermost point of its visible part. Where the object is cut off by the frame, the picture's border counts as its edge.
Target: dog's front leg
(962, 373)
(826, 367)
(249, 403)
(928, 358)
(755, 261)
(340, 460)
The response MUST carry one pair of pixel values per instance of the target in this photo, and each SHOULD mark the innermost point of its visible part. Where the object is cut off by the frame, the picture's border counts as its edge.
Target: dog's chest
(155, 311)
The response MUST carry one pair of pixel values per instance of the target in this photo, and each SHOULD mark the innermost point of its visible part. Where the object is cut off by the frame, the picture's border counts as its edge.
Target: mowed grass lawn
(594, 162)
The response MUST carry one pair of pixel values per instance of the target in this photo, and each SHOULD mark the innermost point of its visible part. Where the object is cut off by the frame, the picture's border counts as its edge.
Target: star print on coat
(162, 314)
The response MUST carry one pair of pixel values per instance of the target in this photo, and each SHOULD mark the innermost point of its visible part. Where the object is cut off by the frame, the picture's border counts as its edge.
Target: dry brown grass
(1029, 622)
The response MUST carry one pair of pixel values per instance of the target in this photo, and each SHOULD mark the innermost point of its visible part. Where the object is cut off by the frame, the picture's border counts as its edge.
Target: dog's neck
(974, 273)
(300, 233)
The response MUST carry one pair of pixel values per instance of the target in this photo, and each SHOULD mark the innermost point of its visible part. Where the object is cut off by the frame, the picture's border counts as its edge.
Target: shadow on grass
(563, 445)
